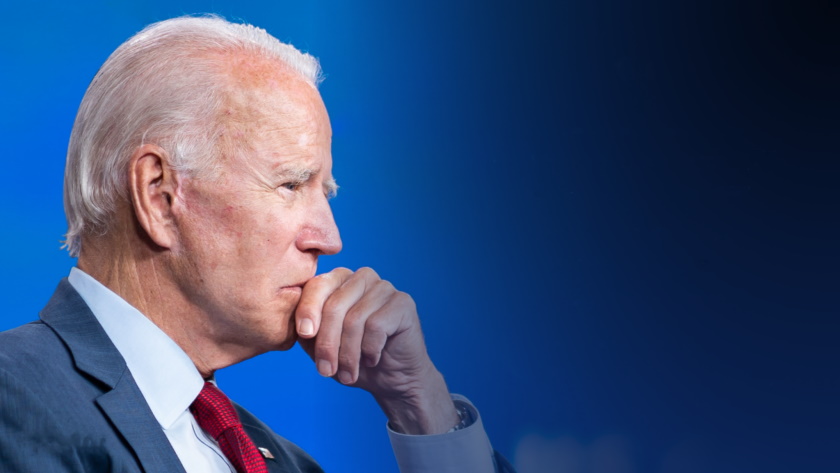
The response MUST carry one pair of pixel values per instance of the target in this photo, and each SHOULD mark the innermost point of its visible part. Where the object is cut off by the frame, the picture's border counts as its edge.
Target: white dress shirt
(170, 382)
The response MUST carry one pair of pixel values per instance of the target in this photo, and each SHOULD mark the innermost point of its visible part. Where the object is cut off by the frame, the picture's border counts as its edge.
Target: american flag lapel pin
(265, 453)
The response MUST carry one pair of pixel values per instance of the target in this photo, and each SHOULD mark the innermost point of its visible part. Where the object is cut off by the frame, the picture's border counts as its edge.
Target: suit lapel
(262, 439)
(122, 402)
(125, 407)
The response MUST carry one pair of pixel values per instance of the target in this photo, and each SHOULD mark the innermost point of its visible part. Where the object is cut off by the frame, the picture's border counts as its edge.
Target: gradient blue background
(618, 219)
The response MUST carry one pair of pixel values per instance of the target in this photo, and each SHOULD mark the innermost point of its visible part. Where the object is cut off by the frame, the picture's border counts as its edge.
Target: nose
(319, 234)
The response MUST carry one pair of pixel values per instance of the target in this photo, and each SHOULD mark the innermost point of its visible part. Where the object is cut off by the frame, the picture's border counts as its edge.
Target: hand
(363, 332)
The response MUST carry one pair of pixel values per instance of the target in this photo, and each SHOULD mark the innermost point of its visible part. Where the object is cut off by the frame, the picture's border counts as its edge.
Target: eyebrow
(298, 174)
(305, 175)
(330, 187)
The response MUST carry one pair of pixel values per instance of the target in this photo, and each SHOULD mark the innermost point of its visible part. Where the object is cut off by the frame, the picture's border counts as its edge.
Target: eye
(292, 186)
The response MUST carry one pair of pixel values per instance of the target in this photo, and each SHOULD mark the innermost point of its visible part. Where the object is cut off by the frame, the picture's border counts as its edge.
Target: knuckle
(367, 273)
(325, 348)
(348, 360)
(375, 326)
(339, 273)
(373, 343)
(332, 308)
(404, 300)
(385, 286)
(354, 320)
(318, 280)
(314, 286)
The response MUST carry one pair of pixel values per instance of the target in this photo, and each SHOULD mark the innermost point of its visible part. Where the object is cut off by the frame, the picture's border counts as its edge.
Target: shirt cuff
(465, 450)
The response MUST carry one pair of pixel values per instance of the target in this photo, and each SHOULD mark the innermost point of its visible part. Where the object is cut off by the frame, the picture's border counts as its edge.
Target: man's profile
(197, 195)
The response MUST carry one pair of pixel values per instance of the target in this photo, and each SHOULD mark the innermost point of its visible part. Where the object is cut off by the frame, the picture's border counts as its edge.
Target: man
(196, 191)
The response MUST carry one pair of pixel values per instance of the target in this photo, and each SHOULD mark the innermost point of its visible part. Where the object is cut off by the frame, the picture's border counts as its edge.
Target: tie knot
(213, 411)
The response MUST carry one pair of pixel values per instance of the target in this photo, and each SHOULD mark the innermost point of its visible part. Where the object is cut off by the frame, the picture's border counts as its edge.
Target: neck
(141, 275)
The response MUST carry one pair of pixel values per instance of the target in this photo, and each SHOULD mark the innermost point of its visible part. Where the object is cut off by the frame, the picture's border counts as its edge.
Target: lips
(299, 284)
(295, 286)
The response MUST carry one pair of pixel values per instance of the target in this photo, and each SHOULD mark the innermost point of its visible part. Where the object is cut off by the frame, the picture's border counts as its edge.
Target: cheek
(239, 237)
(216, 213)
(209, 232)
(230, 220)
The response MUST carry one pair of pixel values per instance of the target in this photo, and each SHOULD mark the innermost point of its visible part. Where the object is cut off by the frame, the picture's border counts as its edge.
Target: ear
(153, 185)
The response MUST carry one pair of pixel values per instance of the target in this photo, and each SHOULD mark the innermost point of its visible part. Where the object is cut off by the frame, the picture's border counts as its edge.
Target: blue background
(619, 220)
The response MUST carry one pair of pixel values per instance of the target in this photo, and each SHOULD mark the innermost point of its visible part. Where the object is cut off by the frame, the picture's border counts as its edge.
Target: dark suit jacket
(69, 404)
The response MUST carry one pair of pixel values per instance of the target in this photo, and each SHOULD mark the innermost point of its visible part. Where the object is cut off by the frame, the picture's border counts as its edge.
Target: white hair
(163, 86)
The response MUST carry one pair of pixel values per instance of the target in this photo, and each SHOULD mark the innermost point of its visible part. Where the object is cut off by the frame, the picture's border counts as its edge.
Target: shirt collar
(165, 374)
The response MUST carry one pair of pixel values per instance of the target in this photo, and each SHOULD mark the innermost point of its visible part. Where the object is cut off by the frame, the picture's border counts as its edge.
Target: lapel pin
(265, 453)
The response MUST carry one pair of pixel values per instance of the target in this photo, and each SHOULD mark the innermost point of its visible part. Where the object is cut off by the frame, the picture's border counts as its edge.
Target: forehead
(266, 104)
(259, 88)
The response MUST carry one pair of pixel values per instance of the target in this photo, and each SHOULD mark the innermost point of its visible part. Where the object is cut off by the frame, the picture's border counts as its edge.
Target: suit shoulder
(34, 336)
(33, 348)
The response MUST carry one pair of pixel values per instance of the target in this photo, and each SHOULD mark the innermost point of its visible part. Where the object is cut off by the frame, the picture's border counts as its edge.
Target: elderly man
(197, 185)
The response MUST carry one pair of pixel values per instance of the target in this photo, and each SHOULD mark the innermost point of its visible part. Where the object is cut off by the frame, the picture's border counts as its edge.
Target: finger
(315, 293)
(376, 295)
(335, 309)
(382, 324)
(373, 342)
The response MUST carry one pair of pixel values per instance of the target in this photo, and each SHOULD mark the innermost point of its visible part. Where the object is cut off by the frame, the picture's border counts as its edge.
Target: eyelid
(302, 178)
(285, 185)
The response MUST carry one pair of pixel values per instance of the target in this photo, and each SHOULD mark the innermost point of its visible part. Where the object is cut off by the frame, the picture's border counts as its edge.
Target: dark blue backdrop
(618, 219)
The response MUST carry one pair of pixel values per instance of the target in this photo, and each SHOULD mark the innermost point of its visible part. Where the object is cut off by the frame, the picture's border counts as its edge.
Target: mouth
(298, 285)
(296, 289)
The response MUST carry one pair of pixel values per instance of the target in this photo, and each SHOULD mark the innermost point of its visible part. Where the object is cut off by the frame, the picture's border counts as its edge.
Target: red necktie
(215, 414)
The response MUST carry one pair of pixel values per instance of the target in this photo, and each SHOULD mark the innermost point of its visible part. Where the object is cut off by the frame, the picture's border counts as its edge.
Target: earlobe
(153, 185)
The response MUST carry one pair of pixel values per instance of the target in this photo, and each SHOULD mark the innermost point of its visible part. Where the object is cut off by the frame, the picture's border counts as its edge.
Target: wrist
(425, 407)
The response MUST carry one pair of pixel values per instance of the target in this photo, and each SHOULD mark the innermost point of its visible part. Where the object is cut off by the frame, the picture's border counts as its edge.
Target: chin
(287, 344)
(287, 339)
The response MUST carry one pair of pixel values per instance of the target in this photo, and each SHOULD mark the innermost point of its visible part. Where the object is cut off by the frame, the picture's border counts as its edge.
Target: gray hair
(163, 86)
